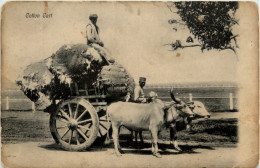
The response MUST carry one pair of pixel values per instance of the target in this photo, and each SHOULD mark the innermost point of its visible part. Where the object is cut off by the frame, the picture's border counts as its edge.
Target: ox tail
(108, 114)
(107, 141)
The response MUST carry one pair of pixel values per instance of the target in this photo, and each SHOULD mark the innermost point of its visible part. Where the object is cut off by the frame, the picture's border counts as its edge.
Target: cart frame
(78, 120)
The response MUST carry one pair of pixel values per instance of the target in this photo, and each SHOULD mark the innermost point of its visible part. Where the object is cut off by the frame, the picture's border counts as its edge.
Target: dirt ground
(27, 142)
(46, 154)
(18, 126)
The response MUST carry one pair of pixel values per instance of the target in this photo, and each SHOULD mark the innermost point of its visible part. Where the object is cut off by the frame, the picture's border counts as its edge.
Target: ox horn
(173, 97)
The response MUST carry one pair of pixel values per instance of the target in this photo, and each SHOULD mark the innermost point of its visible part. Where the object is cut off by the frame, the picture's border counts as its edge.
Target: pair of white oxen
(152, 117)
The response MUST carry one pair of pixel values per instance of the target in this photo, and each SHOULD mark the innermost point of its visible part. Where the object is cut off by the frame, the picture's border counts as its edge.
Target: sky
(134, 32)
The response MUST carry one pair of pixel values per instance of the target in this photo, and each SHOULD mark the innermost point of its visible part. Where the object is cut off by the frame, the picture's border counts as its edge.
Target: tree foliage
(210, 22)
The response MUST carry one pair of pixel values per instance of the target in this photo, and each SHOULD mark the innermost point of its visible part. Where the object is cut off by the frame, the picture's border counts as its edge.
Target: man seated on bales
(93, 39)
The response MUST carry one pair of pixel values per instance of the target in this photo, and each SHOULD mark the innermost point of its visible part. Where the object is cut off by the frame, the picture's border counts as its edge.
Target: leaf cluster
(209, 22)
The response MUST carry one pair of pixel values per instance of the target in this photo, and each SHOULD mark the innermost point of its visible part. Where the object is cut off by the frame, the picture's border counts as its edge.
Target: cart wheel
(74, 125)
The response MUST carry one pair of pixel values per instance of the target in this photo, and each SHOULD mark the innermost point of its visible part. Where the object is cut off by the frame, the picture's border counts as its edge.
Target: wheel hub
(73, 124)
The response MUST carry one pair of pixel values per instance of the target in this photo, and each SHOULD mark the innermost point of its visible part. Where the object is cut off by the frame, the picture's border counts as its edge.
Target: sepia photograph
(129, 84)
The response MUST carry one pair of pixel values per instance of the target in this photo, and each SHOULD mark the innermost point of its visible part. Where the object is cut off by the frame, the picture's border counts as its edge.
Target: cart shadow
(145, 148)
(128, 148)
(137, 148)
(57, 147)
(164, 149)
(187, 148)
(52, 146)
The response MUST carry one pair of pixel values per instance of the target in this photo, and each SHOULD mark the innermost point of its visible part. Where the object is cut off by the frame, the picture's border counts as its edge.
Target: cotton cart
(76, 122)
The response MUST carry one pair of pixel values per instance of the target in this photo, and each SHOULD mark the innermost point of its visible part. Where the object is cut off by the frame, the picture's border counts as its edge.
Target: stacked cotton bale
(35, 81)
(117, 81)
(51, 79)
(76, 62)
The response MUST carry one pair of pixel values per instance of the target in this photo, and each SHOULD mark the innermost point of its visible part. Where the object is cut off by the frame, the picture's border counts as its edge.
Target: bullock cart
(76, 122)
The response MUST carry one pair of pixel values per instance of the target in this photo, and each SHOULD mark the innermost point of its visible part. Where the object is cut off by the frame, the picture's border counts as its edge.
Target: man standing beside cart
(139, 96)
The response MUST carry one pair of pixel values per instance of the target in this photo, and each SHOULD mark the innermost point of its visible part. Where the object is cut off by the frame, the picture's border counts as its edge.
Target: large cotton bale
(50, 79)
(118, 82)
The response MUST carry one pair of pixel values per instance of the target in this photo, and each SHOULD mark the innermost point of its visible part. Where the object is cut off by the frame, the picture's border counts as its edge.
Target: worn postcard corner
(130, 84)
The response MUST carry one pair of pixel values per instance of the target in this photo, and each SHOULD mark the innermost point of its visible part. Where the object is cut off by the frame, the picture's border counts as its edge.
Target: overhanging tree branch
(210, 23)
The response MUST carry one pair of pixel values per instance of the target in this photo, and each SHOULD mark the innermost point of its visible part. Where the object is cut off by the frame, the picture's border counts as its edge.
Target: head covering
(93, 16)
(142, 79)
(152, 95)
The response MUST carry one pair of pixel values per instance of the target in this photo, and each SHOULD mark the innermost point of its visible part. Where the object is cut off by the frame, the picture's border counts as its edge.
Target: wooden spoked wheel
(74, 125)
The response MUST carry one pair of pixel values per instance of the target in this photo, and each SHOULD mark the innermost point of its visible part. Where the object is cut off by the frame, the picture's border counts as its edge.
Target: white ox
(141, 117)
(182, 122)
